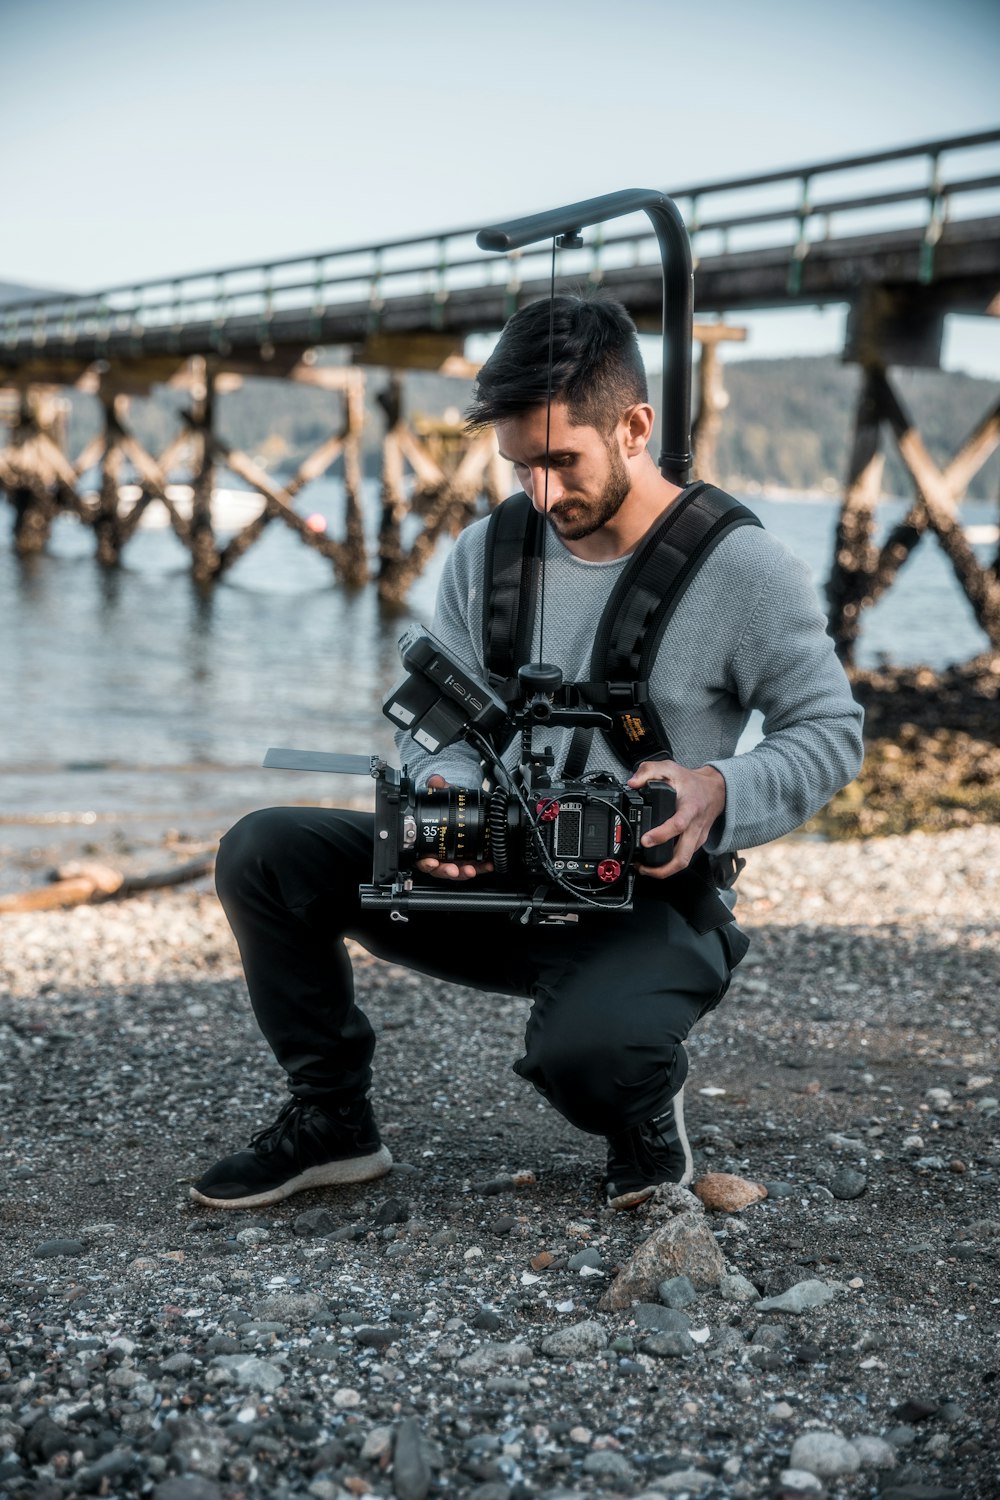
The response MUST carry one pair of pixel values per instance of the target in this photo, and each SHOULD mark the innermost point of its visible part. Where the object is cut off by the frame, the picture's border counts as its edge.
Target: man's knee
(601, 1088)
(256, 841)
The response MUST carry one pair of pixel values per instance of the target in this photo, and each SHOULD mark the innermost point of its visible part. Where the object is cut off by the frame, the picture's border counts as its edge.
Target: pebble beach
(478, 1323)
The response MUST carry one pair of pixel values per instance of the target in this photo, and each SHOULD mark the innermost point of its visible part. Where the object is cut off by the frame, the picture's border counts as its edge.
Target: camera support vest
(628, 634)
(631, 627)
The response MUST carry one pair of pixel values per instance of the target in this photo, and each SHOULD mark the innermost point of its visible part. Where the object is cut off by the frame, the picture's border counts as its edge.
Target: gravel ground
(450, 1330)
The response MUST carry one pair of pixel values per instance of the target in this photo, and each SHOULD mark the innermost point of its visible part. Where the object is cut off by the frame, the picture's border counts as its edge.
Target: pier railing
(919, 187)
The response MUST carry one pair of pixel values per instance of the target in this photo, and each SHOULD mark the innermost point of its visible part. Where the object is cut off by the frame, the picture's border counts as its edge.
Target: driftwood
(83, 883)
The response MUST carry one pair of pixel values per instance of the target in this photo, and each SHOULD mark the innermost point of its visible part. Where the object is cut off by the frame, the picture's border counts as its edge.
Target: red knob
(547, 811)
(608, 870)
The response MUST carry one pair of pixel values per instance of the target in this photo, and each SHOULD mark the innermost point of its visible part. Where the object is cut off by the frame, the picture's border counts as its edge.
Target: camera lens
(451, 824)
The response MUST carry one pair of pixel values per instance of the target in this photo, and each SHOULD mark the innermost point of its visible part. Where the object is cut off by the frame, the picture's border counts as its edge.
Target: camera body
(558, 847)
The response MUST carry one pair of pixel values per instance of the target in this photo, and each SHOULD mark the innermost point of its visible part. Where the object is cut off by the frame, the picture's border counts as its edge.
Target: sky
(139, 140)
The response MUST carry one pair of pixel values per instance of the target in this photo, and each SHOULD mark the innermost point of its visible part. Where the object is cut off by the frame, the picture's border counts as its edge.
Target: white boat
(231, 509)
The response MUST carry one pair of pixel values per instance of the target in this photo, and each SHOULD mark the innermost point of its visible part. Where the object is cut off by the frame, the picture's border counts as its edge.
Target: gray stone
(589, 1257)
(737, 1288)
(392, 1211)
(45, 1439)
(684, 1482)
(799, 1482)
(874, 1452)
(376, 1338)
(575, 1342)
(726, 1343)
(103, 1471)
(377, 1444)
(677, 1292)
(250, 1373)
(780, 1189)
(847, 1182)
(671, 1345)
(411, 1469)
(495, 1357)
(49, 1249)
(770, 1335)
(608, 1465)
(825, 1454)
(294, 1308)
(671, 1198)
(202, 1447)
(315, 1221)
(801, 1297)
(661, 1319)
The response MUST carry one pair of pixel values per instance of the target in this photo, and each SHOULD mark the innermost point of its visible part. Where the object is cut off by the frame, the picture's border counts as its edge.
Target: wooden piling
(861, 572)
(713, 398)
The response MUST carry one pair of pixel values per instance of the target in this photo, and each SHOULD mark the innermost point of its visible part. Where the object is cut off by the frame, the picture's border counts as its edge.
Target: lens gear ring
(497, 827)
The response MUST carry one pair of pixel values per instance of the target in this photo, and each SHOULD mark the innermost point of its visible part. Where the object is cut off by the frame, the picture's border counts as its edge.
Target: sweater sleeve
(458, 593)
(786, 667)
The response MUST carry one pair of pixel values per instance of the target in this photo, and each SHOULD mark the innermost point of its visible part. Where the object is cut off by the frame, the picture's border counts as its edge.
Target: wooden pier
(901, 256)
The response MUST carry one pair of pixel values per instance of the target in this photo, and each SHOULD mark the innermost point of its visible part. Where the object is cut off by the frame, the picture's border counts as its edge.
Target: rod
(678, 295)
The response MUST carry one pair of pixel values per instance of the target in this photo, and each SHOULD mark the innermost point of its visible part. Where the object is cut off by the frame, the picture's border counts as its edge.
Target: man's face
(588, 478)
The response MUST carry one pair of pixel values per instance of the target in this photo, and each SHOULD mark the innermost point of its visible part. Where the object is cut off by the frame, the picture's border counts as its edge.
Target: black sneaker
(641, 1158)
(304, 1148)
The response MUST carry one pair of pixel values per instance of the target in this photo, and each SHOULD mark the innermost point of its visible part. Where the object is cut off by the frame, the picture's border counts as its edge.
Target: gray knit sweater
(748, 634)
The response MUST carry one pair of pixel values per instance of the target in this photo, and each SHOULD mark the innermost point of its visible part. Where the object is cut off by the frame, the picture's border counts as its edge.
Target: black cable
(548, 431)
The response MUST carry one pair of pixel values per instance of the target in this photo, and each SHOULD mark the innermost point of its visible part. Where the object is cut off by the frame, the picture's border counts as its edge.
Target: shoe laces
(287, 1127)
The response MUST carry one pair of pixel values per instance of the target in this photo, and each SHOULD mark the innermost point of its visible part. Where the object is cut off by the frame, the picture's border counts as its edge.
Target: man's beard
(597, 513)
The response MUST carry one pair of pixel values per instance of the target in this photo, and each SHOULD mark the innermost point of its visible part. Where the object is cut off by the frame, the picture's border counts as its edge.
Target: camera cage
(439, 701)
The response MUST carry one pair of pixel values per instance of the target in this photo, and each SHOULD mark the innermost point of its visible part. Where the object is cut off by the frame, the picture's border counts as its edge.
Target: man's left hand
(701, 797)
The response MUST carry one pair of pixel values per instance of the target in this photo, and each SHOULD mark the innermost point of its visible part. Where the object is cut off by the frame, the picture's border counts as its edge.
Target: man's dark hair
(597, 369)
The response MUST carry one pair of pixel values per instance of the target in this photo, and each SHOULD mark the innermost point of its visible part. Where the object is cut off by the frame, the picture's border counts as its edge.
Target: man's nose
(537, 487)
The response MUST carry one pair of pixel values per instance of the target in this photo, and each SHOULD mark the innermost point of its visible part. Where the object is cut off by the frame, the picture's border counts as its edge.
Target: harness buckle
(627, 694)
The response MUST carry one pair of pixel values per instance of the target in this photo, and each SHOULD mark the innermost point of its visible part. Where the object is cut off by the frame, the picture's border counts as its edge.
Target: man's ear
(638, 422)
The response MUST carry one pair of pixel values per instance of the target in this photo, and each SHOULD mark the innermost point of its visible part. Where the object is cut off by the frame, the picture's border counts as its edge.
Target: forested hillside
(788, 423)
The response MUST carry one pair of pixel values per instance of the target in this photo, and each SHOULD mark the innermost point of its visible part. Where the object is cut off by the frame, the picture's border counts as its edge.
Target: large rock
(682, 1246)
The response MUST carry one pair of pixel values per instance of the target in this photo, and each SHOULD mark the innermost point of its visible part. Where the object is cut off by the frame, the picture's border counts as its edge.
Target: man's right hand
(464, 871)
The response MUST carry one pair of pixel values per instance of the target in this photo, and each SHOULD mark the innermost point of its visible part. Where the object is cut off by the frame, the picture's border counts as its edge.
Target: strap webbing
(510, 588)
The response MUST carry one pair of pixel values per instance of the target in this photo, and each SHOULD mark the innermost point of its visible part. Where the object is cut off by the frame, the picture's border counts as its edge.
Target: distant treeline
(788, 423)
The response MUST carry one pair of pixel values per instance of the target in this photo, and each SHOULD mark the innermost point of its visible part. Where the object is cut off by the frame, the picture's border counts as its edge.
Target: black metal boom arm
(678, 295)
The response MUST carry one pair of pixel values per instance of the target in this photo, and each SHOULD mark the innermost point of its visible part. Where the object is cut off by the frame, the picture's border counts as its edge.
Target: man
(615, 994)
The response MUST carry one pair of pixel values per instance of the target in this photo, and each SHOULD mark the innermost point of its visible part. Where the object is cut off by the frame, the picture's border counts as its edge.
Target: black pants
(613, 995)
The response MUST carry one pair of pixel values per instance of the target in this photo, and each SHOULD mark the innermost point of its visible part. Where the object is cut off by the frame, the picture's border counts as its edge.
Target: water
(129, 697)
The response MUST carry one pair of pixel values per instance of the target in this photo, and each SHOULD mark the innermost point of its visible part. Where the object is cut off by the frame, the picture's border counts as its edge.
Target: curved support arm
(678, 295)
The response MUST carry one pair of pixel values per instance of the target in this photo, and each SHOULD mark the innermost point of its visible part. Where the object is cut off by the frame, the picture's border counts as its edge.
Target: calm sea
(128, 697)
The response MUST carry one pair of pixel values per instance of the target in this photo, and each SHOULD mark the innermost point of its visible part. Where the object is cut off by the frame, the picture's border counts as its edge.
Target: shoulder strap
(633, 622)
(510, 586)
(639, 611)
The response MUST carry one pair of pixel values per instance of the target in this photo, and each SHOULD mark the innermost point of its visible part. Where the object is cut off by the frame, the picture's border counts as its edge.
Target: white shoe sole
(329, 1174)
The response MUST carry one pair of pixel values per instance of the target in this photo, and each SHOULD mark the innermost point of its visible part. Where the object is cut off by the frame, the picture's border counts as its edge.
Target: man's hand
(466, 871)
(701, 797)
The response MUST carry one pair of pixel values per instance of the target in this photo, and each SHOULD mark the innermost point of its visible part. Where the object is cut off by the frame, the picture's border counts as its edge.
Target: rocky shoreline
(932, 752)
(466, 1326)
